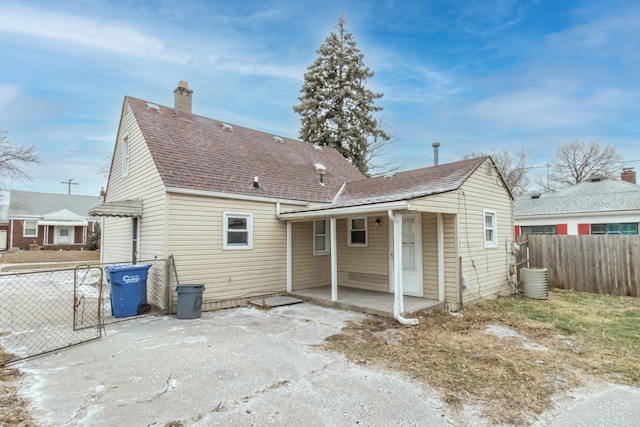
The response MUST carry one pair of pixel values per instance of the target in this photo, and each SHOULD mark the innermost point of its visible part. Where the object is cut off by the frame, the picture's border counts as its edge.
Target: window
(623, 228)
(320, 243)
(490, 229)
(125, 155)
(237, 231)
(30, 229)
(537, 229)
(357, 231)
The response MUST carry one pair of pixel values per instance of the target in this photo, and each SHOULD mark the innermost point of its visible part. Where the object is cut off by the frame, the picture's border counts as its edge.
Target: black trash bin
(189, 301)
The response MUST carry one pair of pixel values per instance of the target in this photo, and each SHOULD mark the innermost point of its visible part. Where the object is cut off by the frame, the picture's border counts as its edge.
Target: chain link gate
(44, 311)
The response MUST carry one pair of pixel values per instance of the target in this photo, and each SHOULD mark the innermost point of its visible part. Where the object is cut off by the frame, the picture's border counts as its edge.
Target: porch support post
(334, 261)
(398, 289)
(440, 233)
(289, 261)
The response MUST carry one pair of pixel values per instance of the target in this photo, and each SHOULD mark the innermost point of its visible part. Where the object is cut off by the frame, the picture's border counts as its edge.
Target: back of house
(249, 214)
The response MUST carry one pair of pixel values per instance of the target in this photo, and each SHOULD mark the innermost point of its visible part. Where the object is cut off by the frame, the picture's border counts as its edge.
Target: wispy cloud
(86, 31)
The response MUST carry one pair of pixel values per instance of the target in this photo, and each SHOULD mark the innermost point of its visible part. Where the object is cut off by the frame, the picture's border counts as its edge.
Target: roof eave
(345, 211)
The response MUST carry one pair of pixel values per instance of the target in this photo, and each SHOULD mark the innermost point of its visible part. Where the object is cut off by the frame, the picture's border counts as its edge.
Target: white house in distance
(599, 205)
(251, 214)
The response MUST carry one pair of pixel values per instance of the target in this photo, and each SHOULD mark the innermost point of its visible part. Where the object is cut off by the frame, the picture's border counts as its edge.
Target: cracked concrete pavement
(232, 367)
(247, 367)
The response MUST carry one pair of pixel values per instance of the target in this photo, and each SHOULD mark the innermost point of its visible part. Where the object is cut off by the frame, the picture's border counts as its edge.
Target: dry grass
(49, 256)
(13, 408)
(510, 383)
(27, 260)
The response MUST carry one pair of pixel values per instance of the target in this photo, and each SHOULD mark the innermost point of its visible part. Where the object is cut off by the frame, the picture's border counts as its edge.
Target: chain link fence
(44, 311)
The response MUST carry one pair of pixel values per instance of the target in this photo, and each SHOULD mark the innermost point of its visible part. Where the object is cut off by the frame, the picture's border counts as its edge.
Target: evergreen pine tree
(336, 108)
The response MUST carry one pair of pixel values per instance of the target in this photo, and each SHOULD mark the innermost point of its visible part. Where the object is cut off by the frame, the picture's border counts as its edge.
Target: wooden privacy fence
(604, 264)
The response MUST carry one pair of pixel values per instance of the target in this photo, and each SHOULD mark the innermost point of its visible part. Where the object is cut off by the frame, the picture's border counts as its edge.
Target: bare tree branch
(578, 160)
(512, 167)
(13, 158)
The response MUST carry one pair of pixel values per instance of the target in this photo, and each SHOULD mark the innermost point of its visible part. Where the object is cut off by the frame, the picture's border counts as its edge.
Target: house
(599, 205)
(49, 220)
(4, 226)
(250, 214)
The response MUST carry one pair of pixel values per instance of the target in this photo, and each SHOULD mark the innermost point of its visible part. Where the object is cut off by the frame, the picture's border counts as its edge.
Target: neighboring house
(4, 226)
(600, 205)
(49, 220)
(250, 214)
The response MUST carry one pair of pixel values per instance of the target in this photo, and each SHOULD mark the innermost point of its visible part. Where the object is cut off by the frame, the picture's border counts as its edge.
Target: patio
(364, 301)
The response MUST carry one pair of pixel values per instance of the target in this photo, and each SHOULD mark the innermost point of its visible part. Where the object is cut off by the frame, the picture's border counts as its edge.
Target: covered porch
(386, 259)
(364, 301)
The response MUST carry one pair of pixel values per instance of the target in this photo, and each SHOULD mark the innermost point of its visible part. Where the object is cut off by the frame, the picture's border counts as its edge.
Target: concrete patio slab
(232, 367)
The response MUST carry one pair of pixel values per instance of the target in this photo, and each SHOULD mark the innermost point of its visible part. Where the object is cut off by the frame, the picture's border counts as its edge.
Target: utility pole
(69, 183)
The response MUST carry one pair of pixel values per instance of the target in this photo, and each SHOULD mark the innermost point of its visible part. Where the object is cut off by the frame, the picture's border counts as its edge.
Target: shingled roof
(404, 185)
(198, 153)
(600, 195)
(30, 204)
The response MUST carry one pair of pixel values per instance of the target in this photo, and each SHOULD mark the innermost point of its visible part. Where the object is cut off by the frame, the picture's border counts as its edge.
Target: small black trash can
(189, 301)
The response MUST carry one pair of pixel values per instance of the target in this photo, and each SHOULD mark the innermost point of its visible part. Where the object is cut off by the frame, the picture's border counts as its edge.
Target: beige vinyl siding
(486, 270)
(143, 181)
(430, 255)
(116, 244)
(195, 239)
(308, 270)
(442, 203)
(451, 274)
(365, 267)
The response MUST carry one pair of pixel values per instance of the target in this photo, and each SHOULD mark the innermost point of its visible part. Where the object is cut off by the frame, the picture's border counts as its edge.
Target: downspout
(397, 273)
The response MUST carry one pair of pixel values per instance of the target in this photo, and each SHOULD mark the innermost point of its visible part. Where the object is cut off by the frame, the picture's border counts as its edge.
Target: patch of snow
(505, 332)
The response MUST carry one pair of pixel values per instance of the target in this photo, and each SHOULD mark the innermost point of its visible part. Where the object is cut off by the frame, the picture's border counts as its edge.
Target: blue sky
(474, 75)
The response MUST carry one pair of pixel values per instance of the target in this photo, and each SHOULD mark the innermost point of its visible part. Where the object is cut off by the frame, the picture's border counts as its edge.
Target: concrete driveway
(246, 367)
(238, 367)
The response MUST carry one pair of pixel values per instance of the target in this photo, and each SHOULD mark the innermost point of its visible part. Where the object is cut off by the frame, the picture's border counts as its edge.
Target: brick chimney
(183, 97)
(628, 175)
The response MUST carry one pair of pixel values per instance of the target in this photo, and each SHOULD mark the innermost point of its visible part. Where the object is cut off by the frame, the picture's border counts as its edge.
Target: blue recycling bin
(128, 287)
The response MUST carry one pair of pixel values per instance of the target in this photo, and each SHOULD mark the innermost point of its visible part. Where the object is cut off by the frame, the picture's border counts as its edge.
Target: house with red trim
(599, 205)
(250, 214)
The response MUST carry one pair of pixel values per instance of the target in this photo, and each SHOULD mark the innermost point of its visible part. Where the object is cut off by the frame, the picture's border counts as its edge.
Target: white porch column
(397, 264)
(289, 261)
(334, 261)
(440, 233)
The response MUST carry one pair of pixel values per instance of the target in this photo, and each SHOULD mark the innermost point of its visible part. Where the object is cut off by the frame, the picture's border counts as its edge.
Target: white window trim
(235, 247)
(494, 242)
(125, 154)
(24, 228)
(326, 234)
(366, 232)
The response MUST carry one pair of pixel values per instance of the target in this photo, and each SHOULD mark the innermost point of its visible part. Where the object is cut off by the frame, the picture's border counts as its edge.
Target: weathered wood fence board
(602, 264)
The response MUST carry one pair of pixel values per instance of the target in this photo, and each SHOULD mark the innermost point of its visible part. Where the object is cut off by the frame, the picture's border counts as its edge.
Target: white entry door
(63, 235)
(412, 255)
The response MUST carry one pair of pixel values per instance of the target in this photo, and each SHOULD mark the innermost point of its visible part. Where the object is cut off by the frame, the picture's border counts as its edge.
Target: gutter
(345, 211)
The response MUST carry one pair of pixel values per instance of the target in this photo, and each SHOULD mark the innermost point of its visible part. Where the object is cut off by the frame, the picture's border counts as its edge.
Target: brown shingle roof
(195, 152)
(404, 185)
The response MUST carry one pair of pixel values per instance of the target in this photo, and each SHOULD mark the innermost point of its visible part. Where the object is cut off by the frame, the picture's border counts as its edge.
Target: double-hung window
(237, 231)
(357, 231)
(320, 237)
(30, 229)
(490, 228)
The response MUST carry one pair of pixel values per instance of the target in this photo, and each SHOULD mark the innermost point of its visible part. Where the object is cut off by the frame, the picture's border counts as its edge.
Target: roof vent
(278, 139)
(535, 196)
(317, 147)
(597, 178)
(320, 168)
(389, 175)
(227, 126)
(153, 107)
